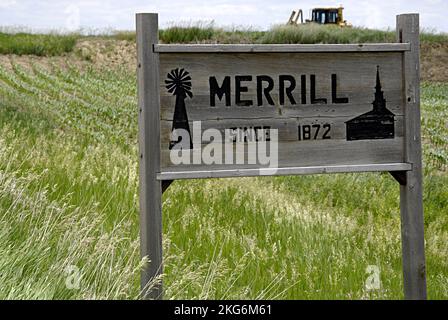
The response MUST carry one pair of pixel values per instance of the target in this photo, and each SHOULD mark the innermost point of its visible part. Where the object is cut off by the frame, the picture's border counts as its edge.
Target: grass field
(68, 201)
(37, 44)
(23, 43)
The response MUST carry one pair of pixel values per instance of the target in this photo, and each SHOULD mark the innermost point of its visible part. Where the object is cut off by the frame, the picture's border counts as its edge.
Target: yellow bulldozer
(332, 16)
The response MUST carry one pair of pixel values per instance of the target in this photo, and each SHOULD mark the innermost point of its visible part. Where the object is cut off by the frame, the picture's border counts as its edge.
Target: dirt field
(434, 62)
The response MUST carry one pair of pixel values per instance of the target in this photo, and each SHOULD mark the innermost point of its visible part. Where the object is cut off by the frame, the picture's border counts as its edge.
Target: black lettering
(317, 126)
(334, 94)
(215, 89)
(257, 130)
(303, 88)
(313, 92)
(306, 132)
(266, 90)
(292, 84)
(326, 133)
(239, 89)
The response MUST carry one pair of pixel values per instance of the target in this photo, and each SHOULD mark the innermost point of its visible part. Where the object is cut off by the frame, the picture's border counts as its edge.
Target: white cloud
(120, 14)
(7, 3)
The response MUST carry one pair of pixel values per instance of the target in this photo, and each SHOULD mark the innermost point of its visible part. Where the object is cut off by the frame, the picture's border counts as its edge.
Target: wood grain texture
(287, 128)
(149, 145)
(411, 194)
(319, 153)
(393, 167)
(366, 47)
(356, 80)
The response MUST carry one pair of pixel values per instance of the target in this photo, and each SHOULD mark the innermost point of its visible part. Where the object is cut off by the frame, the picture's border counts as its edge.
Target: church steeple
(378, 123)
(379, 104)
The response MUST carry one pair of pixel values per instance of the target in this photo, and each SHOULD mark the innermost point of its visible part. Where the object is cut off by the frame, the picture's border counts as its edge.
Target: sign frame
(153, 182)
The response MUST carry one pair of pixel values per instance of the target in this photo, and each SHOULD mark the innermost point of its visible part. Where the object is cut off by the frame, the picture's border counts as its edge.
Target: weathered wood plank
(347, 81)
(200, 109)
(299, 153)
(355, 71)
(411, 198)
(366, 47)
(149, 145)
(283, 171)
(288, 128)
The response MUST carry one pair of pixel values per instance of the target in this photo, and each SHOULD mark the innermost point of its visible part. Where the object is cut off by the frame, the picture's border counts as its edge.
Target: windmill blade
(171, 76)
(179, 82)
(171, 90)
(187, 78)
(170, 86)
(181, 72)
(185, 88)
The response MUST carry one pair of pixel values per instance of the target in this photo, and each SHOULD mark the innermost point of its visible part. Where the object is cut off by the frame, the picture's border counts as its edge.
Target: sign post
(211, 111)
(411, 198)
(149, 141)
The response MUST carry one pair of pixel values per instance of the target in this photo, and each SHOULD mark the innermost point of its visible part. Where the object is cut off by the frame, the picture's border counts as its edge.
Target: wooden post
(411, 202)
(149, 141)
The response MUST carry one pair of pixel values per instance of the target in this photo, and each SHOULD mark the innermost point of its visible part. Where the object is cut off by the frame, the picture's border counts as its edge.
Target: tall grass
(305, 34)
(314, 33)
(68, 199)
(56, 212)
(22, 43)
(199, 33)
(208, 33)
(36, 44)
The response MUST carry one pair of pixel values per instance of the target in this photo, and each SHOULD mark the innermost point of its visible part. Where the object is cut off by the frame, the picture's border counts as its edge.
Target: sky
(97, 15)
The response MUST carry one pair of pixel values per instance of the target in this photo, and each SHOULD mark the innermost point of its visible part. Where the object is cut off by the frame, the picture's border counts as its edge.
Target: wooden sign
(247, 110)
(328, 108)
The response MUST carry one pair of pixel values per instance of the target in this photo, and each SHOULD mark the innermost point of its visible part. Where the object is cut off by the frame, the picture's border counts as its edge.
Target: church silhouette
(375, 124)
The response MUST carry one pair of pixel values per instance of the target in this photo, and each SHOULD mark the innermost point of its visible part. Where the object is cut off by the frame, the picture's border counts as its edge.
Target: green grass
(23, 43)
(199, 33)
(36, 44)
(69, 197)
(306, 34)
(433, 37)
(315, 33)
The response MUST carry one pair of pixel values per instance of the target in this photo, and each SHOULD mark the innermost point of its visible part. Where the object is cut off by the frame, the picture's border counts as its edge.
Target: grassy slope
(56, 44)
(68, 196)
(40, 45)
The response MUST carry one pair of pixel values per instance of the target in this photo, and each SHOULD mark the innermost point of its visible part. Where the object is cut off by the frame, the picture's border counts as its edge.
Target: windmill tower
(179, 84)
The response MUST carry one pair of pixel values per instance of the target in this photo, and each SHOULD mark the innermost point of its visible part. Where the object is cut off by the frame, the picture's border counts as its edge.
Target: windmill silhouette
(179, 84)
